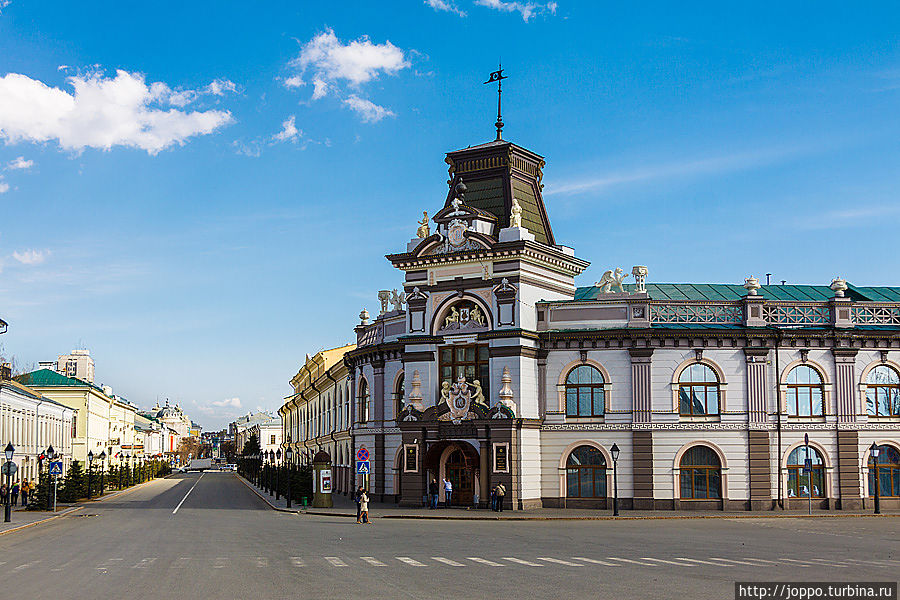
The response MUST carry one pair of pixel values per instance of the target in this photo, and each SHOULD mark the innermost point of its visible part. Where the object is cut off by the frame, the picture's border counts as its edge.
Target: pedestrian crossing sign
(56, 468)
(362, 467)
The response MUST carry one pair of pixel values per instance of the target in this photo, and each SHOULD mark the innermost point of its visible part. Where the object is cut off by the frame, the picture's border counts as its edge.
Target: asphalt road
(209, 536)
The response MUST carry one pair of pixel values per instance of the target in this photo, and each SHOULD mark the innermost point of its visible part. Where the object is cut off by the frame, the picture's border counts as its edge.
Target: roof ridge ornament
(498, 76)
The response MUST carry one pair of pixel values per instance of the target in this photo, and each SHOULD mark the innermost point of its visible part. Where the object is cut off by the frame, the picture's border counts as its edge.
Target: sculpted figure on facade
(384, 296)
(445, 393)
(424, 230)
(398, 300)
(478, 394)
(612, 279)
(477, 316)
(515, 214)
(452, 318)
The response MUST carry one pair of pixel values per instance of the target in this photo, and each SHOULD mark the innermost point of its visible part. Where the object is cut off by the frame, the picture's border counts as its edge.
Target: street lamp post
(90, 471)
(278, 474)
(128, 466)
(875, 450)
(7, 509)
(615, 456)
(102, 469)
(288, 457)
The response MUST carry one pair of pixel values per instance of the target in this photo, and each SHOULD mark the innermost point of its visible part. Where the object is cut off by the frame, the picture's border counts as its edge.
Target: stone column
(642, 439)
(377, 399)
(845, 384)
(758, 444)
(486, 465)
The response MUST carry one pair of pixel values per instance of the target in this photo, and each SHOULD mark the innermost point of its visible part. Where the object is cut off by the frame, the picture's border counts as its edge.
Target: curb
(266, 500)
(32, 524)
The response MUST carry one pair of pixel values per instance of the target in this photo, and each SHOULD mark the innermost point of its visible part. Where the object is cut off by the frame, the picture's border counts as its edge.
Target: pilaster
(640, 384)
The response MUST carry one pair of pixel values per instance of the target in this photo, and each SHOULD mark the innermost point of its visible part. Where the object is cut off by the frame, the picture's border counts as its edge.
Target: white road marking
(297, 561)
(220, 562)
(800, 563)
(559, 562)
(484, 561)
(181, 563)
(189, 492)
(521, 562)
(762, 560)
(594, 561)
(664, 561)
(447, 561)
(702, 562)
(26, 565)
(145, 562)
(335, 561)
(634, 562)
(409, 561)
(373, 561)
(736, 562)
(828, 563)
(262, 562)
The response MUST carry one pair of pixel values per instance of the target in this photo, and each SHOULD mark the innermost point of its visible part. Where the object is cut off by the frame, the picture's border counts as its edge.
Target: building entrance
(462, 477)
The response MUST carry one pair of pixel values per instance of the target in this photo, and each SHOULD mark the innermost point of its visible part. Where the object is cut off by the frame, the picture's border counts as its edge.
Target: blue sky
(201, 193)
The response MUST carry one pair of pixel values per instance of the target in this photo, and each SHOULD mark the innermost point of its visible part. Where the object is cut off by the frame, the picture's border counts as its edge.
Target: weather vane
(498, 77)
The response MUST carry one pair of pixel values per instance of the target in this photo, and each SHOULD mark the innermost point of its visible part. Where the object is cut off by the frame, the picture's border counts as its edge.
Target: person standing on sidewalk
(357, 497)
(15, 493)
(500, 492)
(448, 491)
(433, 494)
(26, 489)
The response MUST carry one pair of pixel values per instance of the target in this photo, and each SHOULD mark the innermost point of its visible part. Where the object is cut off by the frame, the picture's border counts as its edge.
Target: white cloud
(4, 187)
(356, 62)
(218, 87)
(20, 163)
(227, 403)
(294, 81)
(101, 113)
(288, 131)
(445, 6)
(527, 9)
(4, 4)
(368, 110)
(31, 257)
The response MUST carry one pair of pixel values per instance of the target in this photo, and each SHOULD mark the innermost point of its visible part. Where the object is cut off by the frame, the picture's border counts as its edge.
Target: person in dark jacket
(357, 497)
(433, 494)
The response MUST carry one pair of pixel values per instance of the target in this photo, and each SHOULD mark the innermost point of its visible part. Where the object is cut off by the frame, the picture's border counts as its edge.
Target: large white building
(493, 365)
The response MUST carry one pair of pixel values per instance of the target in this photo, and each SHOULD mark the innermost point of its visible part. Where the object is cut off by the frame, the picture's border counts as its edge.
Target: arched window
(805, 392)
(800, 482)
(701, 474)
(363, 413)
(586, 473)
(883, 392)
(698, 391)
(399, 396)
(888, 472)
(584, 392)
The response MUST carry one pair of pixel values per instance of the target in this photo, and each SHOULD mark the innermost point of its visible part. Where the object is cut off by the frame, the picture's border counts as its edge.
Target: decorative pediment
(462, 317)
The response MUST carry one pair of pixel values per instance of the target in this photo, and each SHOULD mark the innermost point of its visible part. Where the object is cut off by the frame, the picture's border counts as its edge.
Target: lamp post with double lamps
(615, 455)
(90, 471)
(102, 458)
(8, 452)
(288, 457)
(875, 451)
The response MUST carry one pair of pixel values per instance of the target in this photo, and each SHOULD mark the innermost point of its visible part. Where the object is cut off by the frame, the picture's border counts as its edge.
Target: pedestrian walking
(357, 496)
(500, 491)
(15, 493)
(448, 491)
(26, 489)
(433, 494)
(364, 508)
(494, 498)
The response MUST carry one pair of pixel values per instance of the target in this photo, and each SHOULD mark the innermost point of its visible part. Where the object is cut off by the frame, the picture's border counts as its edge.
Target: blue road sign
(362, 467)
(807, 465)
(56, 468)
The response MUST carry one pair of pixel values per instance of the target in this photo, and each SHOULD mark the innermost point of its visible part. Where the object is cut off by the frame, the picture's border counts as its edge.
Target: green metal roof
(48, 378)
(730, 292)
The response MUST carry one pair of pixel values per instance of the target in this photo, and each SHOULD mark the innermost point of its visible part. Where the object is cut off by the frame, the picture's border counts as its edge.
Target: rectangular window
(472, 362)
(501, 458)
(272, 440)
(411, 458)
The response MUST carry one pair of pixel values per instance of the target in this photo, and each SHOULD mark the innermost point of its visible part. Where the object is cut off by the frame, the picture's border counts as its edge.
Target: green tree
(38, 499)
(74, 487)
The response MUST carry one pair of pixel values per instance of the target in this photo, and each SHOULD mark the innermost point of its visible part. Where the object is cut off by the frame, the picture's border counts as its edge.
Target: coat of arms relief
(459, 398)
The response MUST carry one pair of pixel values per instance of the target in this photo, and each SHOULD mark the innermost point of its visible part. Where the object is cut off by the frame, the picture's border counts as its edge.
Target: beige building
(77, 363)
(317, 415)
(101, 423)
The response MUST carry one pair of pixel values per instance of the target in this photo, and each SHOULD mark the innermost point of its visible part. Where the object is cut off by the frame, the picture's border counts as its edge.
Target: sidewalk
(345, 507)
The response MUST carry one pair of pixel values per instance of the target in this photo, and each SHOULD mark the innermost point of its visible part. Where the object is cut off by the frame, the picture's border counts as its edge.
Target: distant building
(78, 364)
(268, 434)
(240, 427)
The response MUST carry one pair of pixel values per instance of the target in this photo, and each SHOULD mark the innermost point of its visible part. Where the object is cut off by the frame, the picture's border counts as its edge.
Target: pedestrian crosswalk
(598, 562)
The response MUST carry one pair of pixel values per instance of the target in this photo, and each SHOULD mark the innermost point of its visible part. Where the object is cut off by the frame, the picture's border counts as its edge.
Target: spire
(498, 77)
